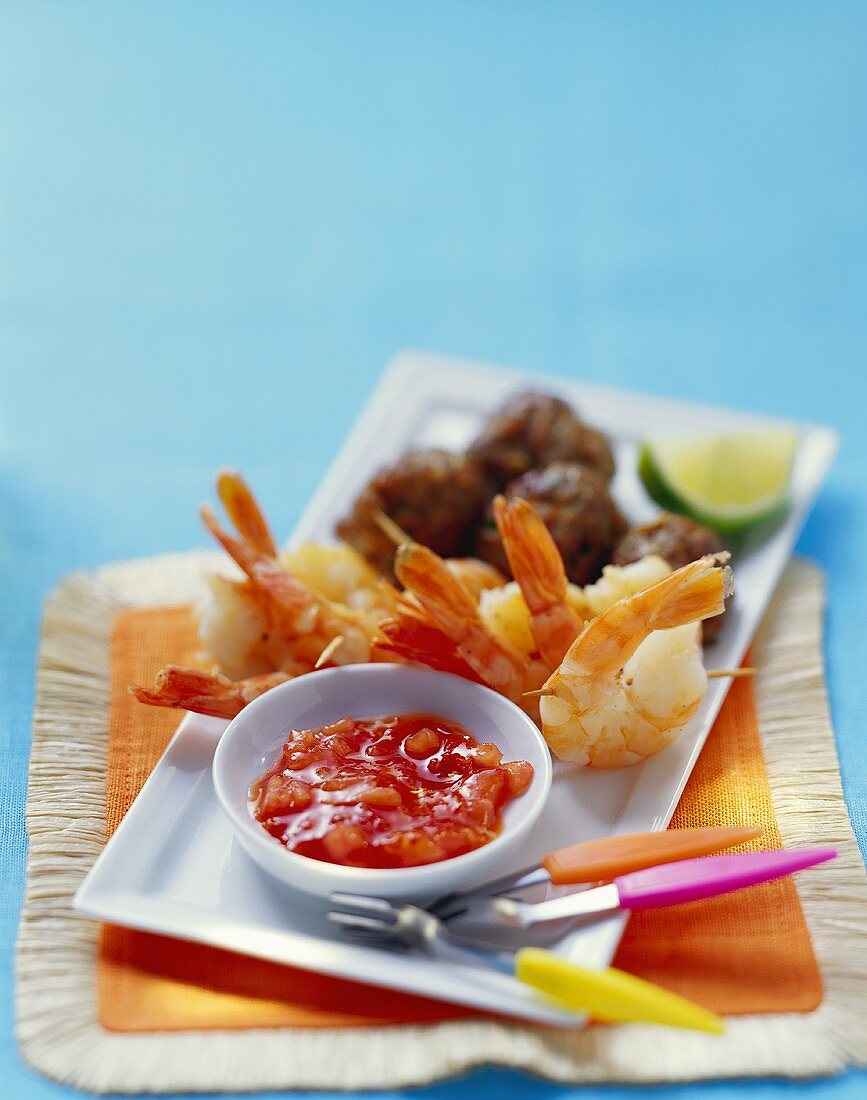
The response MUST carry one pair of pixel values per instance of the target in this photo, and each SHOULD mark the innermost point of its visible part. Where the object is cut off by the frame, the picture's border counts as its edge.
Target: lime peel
(730, 482)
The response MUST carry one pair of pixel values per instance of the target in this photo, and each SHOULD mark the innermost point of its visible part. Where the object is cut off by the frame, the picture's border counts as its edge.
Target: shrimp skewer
(270, 627)
(634, 675)
(475, 575)
(206, 692)
(538, 568)
(453, 634)
(452, 609)
(306, 620)
(344, 573)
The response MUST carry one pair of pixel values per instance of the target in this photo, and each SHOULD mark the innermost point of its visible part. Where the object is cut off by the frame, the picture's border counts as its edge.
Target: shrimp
(233, 619)
(243, 510)
(234, 631)
(455, 613)
(206, 692)
(634, 675)
(538, 568)
(274, 624)
(295, 622)
(464, 601)
(337, 572)
(303, 621)
(412, 636)
(540, 613)
(503, 642)
(475, 575)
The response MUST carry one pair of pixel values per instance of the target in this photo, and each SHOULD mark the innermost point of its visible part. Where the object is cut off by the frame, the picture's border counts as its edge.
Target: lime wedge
(730, 482)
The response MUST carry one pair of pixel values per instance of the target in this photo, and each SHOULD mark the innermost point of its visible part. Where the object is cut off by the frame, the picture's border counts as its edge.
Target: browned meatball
(533, 430)
(435, 496)
(579, 511)
(677, 539)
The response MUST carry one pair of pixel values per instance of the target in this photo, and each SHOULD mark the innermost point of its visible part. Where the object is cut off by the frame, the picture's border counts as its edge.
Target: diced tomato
(486, 784)
(386, 797)
(488, 755)
(343, 841)
(282, 795)
(339, 782)
(415, 848)
(483, 811)
(519, 775)
(423, 743)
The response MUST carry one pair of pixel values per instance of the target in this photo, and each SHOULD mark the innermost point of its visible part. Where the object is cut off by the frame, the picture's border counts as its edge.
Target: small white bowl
(255, 738)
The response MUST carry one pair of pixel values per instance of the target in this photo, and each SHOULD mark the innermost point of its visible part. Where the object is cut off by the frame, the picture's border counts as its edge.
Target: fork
(651, 888)
(610, 994)
(603, 859)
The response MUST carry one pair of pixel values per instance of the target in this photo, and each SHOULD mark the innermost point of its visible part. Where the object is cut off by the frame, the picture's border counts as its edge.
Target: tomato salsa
(386, 792)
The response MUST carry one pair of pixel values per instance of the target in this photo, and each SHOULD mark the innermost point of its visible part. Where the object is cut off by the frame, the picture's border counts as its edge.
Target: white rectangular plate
(173, 866)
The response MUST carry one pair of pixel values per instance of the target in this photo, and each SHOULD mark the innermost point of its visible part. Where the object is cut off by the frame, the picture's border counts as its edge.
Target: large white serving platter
(173, 865)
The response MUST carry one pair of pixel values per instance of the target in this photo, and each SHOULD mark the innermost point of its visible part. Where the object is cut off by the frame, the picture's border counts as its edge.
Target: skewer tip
(329, 651)
(389, 528)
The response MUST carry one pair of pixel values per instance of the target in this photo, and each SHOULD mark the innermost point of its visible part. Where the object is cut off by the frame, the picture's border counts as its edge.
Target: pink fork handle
(693, 879)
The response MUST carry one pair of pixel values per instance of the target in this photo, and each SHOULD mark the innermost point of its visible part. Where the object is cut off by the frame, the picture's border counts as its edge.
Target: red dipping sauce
(386, 792)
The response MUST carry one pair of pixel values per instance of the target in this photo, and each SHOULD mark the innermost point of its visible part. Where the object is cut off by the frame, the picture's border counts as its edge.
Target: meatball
(677, 539)
(533, 430)
(435, 496)
(579, 511)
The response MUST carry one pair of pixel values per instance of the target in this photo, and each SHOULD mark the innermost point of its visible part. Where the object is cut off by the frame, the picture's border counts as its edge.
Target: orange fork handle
(605, 859)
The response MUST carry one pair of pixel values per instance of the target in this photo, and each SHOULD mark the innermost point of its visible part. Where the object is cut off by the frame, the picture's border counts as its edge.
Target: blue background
(218, 221)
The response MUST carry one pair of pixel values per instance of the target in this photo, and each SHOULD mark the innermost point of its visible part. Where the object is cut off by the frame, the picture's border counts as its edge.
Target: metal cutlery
(608, 994)
(602, 860)
(650, 888)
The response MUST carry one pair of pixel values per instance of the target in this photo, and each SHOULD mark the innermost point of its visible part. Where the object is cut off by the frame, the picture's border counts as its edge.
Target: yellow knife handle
(610, 994)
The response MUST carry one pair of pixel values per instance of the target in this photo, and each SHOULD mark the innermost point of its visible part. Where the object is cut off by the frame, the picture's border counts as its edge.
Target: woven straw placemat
(58, 1030)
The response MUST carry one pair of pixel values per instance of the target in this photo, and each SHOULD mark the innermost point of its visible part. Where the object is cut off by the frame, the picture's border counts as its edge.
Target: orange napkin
(740, 954)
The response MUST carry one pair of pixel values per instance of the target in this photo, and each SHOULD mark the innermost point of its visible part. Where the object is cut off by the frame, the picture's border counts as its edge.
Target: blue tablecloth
(219, 220)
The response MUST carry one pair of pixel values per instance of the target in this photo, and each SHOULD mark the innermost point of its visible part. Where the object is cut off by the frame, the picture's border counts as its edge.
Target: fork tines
(360, 903)
(367, 920)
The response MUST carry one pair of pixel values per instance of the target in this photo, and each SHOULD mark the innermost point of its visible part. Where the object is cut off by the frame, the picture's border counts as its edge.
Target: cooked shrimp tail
(538, 568)
(634, 676)
(695, 592)
(297, 621)
(294, 598)
(243, 510)
(240, 551)
(411, 636)
(456, 614)
(205, 692)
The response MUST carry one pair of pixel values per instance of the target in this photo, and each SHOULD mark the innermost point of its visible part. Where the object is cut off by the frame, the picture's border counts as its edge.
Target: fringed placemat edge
(57, 1028)
(798, 740)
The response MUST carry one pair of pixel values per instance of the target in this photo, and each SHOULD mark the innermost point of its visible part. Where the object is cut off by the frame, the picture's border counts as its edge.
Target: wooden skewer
(329, 651)
(712, 674)
(387, 525)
